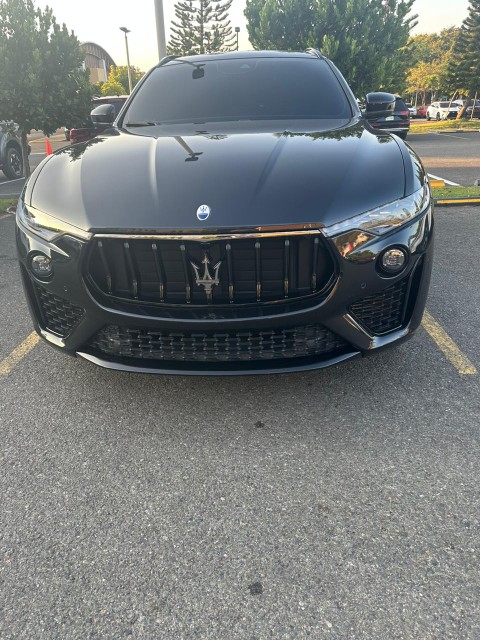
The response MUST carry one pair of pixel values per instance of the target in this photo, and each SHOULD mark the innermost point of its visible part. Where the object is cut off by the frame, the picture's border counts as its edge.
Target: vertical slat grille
(234, 271)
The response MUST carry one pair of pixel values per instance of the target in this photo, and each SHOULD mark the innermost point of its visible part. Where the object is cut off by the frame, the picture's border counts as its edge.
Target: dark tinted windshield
(240, 88)
(444, 105)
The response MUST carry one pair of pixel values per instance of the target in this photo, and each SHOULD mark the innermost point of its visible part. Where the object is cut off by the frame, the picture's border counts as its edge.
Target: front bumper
(70, 317)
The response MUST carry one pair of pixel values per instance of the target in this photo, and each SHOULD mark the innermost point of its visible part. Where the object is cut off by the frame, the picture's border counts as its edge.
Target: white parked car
(412, 109)
(442, 111)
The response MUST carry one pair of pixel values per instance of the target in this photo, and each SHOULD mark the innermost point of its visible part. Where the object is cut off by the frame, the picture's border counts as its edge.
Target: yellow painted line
(460, 201)
(18, 354)
(448, 347)
(437, 183)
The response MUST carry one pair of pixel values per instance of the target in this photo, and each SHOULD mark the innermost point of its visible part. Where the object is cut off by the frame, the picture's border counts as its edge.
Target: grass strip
(443, 193)
(423, 126)
(5, 203)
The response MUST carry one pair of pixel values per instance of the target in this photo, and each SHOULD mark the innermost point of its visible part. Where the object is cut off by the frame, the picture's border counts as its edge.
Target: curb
(448, 202)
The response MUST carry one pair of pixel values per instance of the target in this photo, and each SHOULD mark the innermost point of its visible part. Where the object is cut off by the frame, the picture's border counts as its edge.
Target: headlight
(46, 226)
(386, 218)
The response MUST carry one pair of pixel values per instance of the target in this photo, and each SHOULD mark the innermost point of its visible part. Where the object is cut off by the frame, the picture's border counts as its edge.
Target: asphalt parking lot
(342, 503)
(454, 156)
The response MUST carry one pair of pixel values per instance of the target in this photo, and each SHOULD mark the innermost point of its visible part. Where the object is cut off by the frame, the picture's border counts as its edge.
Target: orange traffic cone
(48, 147)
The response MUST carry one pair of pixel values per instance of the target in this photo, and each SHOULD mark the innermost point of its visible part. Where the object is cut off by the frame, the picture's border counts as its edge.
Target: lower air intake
(59, 315)
(384, 311)
(225, 346)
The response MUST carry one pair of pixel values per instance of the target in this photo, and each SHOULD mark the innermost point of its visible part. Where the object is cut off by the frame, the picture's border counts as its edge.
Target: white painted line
(9, 195)
(6, 215)
(38, 153)
(449, 135)
(8, 181)
(452, 184)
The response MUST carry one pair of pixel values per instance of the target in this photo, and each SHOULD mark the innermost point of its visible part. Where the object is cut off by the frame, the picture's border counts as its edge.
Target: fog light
(41, 265)
(393, 260)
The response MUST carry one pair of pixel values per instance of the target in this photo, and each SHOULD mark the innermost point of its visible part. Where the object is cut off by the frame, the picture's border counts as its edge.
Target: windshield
(237, 89)
(444, 105)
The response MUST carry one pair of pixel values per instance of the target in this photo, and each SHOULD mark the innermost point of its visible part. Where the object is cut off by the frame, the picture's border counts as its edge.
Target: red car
(422, 111)
(89, 131)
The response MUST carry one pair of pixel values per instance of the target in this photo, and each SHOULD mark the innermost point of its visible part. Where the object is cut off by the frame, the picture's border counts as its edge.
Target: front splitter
(205, 371)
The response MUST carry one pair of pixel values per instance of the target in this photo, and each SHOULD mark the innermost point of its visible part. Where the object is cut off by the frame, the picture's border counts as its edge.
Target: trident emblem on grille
(207, 281)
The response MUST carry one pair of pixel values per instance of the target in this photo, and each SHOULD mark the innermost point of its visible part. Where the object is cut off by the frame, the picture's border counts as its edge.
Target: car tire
(438, 116)
(427, 116)
(13, 165)
(402, 135)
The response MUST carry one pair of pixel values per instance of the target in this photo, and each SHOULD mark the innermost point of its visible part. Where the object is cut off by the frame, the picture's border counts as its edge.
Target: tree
(464, 67)
(365, 38)
(112, 88)
(117, 82)
(42, 83)
(201, 26)
(283, 25)
(430, 55)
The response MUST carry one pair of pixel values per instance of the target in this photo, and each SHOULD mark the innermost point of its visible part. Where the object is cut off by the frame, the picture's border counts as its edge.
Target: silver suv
(11, 159)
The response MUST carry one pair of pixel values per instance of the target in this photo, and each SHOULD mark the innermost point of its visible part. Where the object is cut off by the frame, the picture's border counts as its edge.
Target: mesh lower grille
(383, 311)
(59, 315)
(293, 342)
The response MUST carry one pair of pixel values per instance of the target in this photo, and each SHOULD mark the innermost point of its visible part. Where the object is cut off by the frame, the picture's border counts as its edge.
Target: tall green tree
(201, 26)
(42, 83)
(430, 55)
(464, 67)
(365, 38)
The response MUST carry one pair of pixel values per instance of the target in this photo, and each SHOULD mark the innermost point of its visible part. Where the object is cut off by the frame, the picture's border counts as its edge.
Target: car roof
(240, 55)
(106, 98)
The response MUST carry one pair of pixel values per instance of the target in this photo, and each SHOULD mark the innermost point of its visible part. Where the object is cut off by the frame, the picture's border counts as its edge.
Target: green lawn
(5, 203)
(423, 126)
(455, 192)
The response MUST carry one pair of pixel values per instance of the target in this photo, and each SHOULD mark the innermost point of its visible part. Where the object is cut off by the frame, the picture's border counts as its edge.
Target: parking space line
(18, 354)
(448, 347)
(449, 135)
(452, 184)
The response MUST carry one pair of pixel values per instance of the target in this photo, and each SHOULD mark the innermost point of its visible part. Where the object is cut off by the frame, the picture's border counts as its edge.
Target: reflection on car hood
(147, 181)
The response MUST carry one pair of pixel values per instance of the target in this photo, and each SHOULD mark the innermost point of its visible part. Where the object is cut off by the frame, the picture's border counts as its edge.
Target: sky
(99, 21)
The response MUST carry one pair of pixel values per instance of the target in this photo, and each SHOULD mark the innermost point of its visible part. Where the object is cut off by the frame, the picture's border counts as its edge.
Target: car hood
(123, 181)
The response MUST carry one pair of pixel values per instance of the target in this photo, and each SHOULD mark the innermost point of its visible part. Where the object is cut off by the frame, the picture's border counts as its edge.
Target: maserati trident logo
(203, 212)
(206, 280)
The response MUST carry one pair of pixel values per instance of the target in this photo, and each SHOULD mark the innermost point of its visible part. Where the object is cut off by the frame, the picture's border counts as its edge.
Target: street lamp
(237, 31)
(160, 22)
(125, 31)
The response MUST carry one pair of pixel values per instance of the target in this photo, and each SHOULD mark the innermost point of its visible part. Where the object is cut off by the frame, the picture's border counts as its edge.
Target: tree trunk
(463, 111)
(26, 161)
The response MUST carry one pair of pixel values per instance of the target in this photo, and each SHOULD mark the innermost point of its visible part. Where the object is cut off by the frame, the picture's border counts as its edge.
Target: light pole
(161, 41)
(125, 31)
(237, 31)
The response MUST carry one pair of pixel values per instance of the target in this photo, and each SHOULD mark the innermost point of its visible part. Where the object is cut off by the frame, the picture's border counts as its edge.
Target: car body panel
(260, 178)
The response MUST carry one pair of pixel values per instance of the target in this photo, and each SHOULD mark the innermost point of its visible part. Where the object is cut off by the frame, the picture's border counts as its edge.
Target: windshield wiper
(141, 124)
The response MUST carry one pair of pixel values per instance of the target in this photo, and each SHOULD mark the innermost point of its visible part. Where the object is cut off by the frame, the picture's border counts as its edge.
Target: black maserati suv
(240, 215)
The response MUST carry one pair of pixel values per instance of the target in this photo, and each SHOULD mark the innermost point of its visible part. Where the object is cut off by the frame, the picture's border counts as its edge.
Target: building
(98, 61)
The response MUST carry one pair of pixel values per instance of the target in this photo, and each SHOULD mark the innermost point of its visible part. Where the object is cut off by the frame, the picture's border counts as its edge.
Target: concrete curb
(450, 202)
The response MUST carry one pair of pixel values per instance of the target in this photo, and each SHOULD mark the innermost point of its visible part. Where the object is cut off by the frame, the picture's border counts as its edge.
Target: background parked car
(422, 111)
(412, 109)
(89, 130)
(442, 111)
(472, 105)
(11, 158)
(398, 123)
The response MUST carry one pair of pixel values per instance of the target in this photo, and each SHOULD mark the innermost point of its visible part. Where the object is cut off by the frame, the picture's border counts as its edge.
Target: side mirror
(379, 105)
(103, 116)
